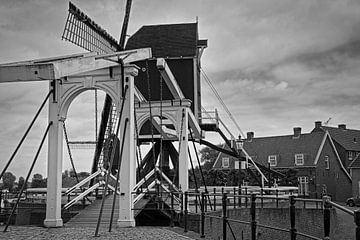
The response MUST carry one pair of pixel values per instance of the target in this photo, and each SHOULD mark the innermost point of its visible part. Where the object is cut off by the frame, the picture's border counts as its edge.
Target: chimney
(342, 126)
(317, 124)
(297, 132)
(250, 136)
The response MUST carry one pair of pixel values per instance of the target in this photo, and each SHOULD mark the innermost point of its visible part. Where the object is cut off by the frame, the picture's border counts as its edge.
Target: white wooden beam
(79, 65)
(58, 67)
(22, 73)
(194, 125)
(169, 78)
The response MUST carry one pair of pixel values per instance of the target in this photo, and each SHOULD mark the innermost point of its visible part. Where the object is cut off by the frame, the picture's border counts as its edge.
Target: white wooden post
(183, 151)
(128, 164)
(55, 149)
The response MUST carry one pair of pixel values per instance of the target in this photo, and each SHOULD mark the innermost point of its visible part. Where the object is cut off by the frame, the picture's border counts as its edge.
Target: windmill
(82, 31)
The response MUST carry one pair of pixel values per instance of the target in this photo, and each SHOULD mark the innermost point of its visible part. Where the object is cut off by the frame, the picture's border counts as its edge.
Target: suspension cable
(201, 172)
(138, 151)
(118, 172)
(150, 111)
(69, 151)
(28, 176)
(113, 151)
(26, 133)
(222, 102)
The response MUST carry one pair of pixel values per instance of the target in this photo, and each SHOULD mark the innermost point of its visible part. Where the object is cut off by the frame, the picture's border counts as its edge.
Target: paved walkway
(67, 233)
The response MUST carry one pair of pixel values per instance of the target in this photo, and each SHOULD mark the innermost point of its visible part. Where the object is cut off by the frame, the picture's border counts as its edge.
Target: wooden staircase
(89, 216)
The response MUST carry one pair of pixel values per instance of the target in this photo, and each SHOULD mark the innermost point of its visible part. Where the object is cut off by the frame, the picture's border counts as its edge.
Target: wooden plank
(169, 78)
(80, 65)
(24, 73)
(58, 67)
(194, 125)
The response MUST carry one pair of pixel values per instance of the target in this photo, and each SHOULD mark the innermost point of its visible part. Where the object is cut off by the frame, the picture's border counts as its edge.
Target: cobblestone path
(68, 233)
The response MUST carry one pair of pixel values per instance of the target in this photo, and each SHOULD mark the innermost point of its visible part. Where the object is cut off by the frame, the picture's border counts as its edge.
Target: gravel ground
(67, 233)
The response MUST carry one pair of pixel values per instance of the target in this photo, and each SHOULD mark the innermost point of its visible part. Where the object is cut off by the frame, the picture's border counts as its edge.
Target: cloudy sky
(277, 64)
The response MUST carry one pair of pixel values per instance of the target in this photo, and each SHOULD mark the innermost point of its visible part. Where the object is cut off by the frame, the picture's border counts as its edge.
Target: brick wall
(309, 221)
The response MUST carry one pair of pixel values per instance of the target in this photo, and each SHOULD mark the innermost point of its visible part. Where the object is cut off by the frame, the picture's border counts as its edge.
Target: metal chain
(150, 111)
(69, 151)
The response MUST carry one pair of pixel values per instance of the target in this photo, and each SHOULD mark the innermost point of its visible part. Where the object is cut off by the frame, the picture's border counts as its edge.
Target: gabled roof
(284, 147)
(347, 138)
(355, 163)
(170, 40)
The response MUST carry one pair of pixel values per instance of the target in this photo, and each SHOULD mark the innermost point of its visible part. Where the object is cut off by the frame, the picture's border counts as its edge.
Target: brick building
(313, 155)
(347, 141)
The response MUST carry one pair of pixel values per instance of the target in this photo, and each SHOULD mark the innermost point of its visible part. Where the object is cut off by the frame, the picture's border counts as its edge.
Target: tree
(21, 183)
(8, 181)
(208, 157)
(38, 181)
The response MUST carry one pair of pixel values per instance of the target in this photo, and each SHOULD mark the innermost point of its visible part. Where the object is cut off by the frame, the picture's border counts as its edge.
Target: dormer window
(350, 156)
(299, 159)
(327, 163)
(225, 162)
(272, 160)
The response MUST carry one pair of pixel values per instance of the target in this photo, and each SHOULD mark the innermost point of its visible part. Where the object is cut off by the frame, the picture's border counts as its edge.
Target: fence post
(292, 218)
(277, 198)
(202, 230)
(172, 210)
(234, 197)
(214, 199)
(246, 198)
(357, 222)
(239, 192)
(327, 206)
(0, 199)
(205, 202)
(196, 204)
(186, 212)
(224, 211)
(182, 203)
(262, 200)
(253, 216)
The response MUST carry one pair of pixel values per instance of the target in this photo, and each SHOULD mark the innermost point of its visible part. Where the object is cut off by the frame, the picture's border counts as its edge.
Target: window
(299, 159)
(272, 160)
(327, 163)
(303, 184)
(350, 156)
(225, 162)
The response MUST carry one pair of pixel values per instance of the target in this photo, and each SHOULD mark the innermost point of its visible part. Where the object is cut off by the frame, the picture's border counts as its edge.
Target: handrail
(85, 180)
(143, 180)
(344, 209)
(83, 194)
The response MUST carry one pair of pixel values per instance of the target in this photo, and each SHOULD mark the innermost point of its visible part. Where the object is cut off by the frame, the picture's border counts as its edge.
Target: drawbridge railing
(246, 221)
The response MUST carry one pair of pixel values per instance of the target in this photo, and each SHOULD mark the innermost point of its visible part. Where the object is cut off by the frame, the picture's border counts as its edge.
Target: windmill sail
(84, 32)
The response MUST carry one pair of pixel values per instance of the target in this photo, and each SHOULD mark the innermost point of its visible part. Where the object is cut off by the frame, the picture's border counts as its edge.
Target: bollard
(202, 230)
(253, 216)
(327, 207)
(224, 211)
(357, 222)
(214, 199)
(186, 212)
(292, 218)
